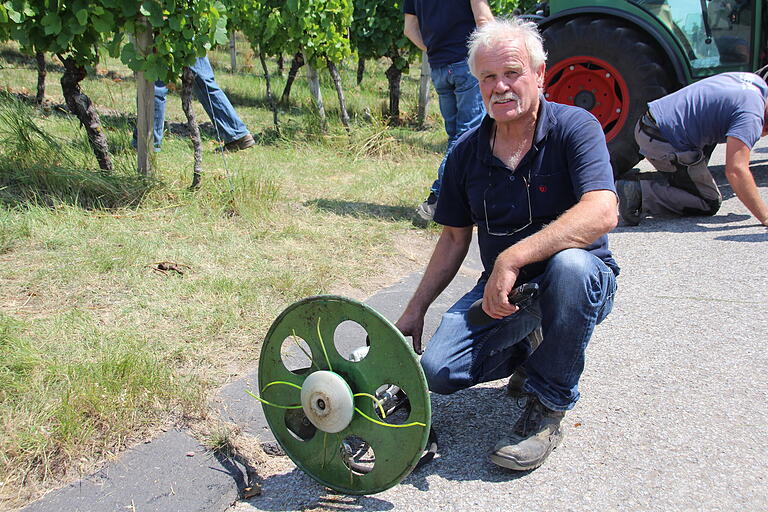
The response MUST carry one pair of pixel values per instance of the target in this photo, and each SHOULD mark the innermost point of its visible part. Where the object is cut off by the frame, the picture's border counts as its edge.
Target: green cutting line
(271, 404)
(322, 345)
(378, 402)
(280, 382)
(414, 424)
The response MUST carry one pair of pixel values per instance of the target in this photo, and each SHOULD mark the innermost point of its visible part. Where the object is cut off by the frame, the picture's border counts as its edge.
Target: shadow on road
(297, 491)
(364, 210)
(468, 425)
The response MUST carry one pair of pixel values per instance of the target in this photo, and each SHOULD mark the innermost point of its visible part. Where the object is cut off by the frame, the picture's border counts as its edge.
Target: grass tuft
(41, 168)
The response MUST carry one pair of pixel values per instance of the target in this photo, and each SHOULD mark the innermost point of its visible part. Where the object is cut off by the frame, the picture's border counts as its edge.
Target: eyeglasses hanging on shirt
(526, 182)
(507, 233)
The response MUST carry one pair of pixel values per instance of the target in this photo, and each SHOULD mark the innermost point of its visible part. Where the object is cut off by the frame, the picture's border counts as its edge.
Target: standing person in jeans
(441, 28)
(678, 134)
(535, 178)
(229, 126)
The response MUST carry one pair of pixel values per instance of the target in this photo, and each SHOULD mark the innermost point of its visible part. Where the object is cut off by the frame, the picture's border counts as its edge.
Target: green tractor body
(612, 57)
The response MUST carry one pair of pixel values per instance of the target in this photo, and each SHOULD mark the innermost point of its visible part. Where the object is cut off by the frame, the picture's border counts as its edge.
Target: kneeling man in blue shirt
(678, 133)
(535, 178)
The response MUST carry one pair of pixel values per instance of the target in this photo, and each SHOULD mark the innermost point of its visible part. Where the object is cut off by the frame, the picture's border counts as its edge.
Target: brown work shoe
(630, 201)
(244, 142)
(534, 436)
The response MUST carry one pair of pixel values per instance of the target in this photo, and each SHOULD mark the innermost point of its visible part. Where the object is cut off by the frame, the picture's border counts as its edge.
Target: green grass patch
(81, 395)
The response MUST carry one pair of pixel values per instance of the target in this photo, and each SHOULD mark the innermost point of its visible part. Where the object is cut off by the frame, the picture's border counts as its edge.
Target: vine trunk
(360, 70)
(298, 61)
(317, 95)
(270, 97)
(340, 93)
(187, 79)
(41, 73)
(80, 105)
(394, 74)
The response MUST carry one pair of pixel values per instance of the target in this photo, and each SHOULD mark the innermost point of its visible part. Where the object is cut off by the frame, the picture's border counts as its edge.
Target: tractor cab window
(714, 33)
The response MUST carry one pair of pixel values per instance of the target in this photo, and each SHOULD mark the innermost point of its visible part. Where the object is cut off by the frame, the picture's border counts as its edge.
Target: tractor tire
(611, 69)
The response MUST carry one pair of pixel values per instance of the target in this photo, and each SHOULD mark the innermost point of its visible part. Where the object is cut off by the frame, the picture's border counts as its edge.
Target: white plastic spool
(327, 401)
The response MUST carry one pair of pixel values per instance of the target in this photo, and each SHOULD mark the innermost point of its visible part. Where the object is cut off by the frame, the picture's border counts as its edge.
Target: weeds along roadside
(125, 302)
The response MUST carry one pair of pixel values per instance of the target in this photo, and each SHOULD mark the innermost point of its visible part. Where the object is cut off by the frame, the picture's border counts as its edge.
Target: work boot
(244, 142)
(630, 201)
(534, 436)
(426, 210)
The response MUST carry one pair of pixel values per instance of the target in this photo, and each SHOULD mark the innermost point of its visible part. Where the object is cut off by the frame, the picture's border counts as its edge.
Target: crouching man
(535, 178)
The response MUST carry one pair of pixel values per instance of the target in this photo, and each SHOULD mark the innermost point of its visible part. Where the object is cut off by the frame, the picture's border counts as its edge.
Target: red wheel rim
(593, 84)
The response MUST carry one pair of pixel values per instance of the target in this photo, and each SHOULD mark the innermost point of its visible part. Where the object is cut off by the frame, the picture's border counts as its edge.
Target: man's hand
(496, 294)
(413, 326)
(741, 180)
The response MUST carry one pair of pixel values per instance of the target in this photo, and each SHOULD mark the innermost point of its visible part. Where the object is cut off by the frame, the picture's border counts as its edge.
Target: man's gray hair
(501, 29)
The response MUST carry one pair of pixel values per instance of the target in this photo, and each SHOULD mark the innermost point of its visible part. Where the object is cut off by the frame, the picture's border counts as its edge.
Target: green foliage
(322, 27)
(182, 30)
(4, 22)
(377, 31)
(71, 28)
(506, 7)
(263, 24)
(319, 28)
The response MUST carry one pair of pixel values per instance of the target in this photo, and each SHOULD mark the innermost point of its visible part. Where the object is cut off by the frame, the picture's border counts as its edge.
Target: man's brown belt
(649, 127)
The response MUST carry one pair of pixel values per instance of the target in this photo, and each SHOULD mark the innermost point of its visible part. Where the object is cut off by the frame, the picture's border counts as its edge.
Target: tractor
(612, 57)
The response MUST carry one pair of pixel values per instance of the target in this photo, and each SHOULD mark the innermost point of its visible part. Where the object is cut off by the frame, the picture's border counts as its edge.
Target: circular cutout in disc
(327, 401)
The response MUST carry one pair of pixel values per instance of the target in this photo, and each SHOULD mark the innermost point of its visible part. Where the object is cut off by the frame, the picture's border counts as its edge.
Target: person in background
(441, 28)
(228, 125)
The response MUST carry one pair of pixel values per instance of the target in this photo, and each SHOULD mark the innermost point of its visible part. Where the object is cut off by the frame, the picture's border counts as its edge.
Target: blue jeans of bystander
(575, 293)
(215, 102)
(461, 105)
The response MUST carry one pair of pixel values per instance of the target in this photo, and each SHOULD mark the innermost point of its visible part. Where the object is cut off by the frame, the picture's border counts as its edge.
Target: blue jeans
(575, 294)
(461, 105)
(229, 126)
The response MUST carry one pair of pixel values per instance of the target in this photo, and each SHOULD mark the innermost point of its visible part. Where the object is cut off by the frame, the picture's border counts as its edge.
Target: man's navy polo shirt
(445, 26)
(568, 158)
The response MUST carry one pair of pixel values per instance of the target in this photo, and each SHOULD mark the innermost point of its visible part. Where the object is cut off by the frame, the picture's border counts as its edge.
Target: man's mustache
(503, 97)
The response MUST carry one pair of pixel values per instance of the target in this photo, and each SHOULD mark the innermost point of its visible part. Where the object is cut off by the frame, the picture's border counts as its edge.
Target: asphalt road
(672, 415)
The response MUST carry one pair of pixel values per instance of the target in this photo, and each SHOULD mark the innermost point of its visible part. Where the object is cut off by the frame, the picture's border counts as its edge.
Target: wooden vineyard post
(232, 53)
(145, 114)
(317, 95)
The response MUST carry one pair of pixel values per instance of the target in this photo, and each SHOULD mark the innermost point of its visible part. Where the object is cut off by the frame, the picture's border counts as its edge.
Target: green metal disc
(390, 360)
